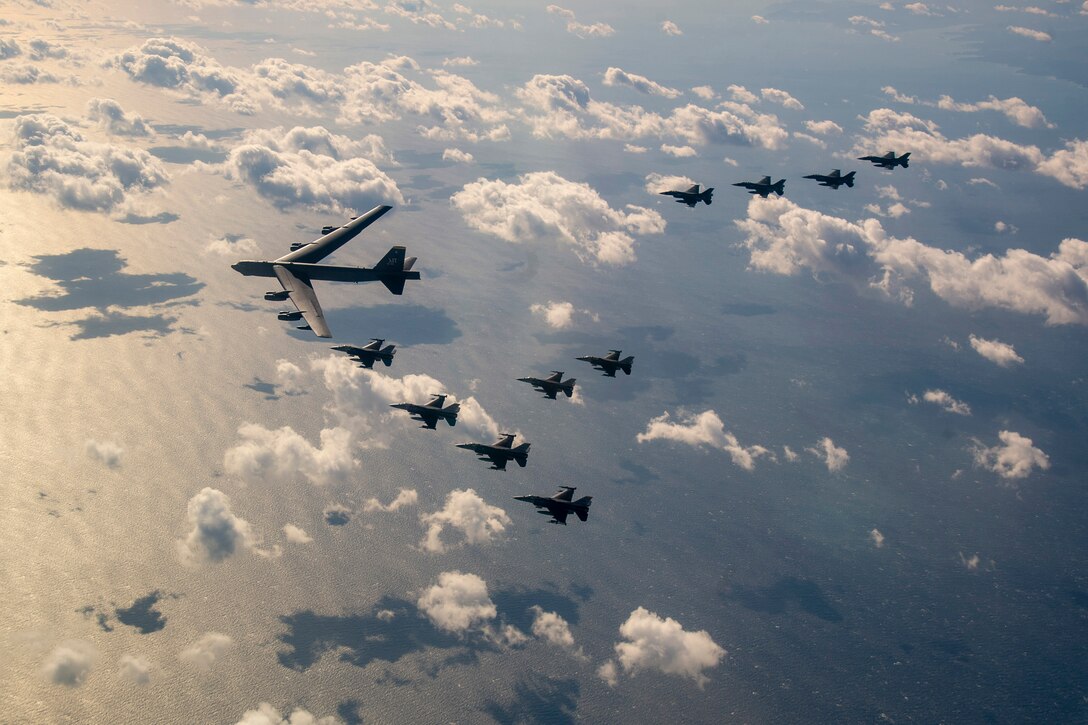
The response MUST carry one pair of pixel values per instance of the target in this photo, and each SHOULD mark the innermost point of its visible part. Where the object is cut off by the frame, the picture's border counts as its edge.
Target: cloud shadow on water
(142, 614)
(538, 699)
(514, 604)
(785, 593)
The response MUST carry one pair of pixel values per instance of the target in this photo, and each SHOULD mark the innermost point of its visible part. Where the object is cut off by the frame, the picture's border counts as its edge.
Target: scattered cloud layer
(663, 645)
(457, 603)
(217, 534)
(405, 497)
(467, 513)
(704, 429)
(287, 455)
(834, 458)
(1014, 458)
(997, 352)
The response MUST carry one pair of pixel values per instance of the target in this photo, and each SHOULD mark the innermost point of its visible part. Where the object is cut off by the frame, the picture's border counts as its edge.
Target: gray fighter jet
(610, 363)
(559, 505)
(500, 452)
(763, 187)
(552, 384)
(888, 160)
(297, 269)
(835, 179)
(430, 413)
(370, 353)
(692, 196)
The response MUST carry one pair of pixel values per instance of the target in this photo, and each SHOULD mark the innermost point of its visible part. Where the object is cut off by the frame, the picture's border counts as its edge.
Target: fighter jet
(835, 179)
(552, 384)
(763, 187)
(692, 196)
(499, 453)
(297, 269)
(610, 363)
(559, 505)
(370, 353)
(430, 413)
(888, 160)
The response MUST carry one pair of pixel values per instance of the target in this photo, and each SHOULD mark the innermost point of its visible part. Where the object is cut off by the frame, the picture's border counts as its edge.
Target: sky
(843, 483)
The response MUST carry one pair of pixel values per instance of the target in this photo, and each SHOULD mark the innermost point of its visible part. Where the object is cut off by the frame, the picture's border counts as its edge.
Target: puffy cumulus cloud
(784, 238)
(70, 662)
(9, 49)
(920, 9)
(834, 458)
(284, 453)
(823, 128)
(315, 168)
(106, 452)
(453, 108)
(50, 157)
(296, 534)
(457, 603)
(704, 429)
(619, 77)
(705, 92)
(890, 129)
(560, 315)
(680, 152)
(290, 377)
(1000, 353)
(478, 521)
(231, 245)
(1014, 458)
(41, 49)
(730, 122)
(420, 12)
(582, 30)
(552, 628)
(544, 206)
(463, 61)
(458, 156)
(25, 74)
(206, 651)
(782, 98)
(405, 497)
(654, 643)
(296, 86)
(947, 402)
(266, 714)
(178, 65)
(668, 27)
(877, 538)
(217, 533)
(134, 669)
(1031, 33)
(657, 183)
(111, 117)
(1015, 109)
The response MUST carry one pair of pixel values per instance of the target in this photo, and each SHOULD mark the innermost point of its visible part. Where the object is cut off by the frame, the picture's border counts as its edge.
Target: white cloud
(545, 206)
(27, 73)
(134, 669)
(217, 533)
(457, 156)
(284, 453)
(315, 168)
(204, 653)
(668, 27)
(50, 157)
(266, 714)
(70, 662)
(460, 62)
(704, 429)
(107, 452)
(618, 77)
(705, 92)
(560, 315)
(478, 521)
(653, 643)
(834, 457)
(110, 116)
(947, 402)
(405, 497)
(920, 9)
(877, 538)
(457, 603)
(760, 20)
(1014, 458)
(551, 627)
(231, 246)
(1000, 353)
(1014, 108)
(823, 128)
(289, 377)
(970, 562)
(296, 534)
(785, 239)
(680, 152)
(657, 183)
(1030, 33)
(582, 30)
(782, 98)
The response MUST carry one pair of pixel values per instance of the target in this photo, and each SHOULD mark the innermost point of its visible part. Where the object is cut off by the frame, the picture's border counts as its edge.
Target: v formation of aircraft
(765, 187)
(297, 270)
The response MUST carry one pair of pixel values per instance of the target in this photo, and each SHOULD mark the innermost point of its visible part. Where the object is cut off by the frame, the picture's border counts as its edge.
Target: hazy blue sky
(844, 483)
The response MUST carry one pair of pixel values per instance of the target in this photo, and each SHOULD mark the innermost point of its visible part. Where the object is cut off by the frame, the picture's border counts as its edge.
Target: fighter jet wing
(301, 292)
(498, 462)
(326, 245)
(558, 513)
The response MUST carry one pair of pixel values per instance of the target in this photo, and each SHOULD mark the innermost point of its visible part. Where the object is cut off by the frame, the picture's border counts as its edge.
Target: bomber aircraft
(500, 452)
(369, 353)
(430, 413)
(763, 187)
(297, 269)
(835, 179)
(692, 196)
(552, 384)
(610, 363)
(559, 505)
(888, 160)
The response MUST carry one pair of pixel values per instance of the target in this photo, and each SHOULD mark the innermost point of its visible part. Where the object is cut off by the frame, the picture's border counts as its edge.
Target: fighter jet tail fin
(568, 388)
(451, 412)
(904, 159)
(521, 454)
(780, 187)
(625, 364)
(849, 179)
(708, 195)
